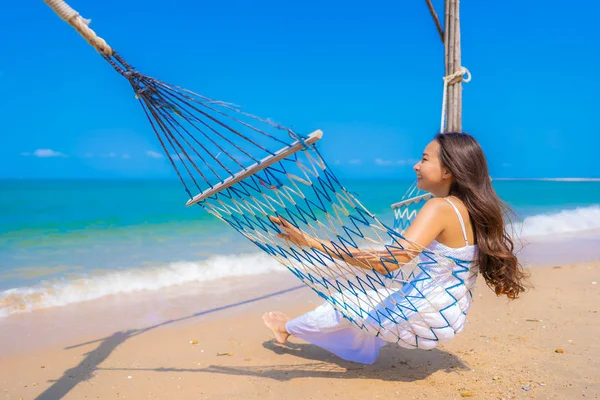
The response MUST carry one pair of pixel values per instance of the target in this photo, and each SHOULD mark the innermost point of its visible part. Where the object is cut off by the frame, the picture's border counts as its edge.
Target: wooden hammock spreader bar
(254, 168)
(406, 202)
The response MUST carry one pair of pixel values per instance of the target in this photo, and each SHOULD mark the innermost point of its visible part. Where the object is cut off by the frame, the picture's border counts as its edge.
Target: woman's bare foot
(276, 321)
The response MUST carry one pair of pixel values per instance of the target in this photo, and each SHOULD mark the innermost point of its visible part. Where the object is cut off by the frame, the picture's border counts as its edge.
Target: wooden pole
(450, 35)
(452, 63)
(448, 61)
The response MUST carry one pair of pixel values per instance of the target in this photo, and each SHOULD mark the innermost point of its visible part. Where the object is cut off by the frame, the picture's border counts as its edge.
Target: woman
(464, 220)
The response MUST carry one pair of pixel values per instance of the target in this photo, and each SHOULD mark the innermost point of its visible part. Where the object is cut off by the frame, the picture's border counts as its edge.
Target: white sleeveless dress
(437, 319)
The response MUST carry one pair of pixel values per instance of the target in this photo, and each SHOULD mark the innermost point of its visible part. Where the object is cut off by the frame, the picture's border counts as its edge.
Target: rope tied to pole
(462, 75)
(80, 24)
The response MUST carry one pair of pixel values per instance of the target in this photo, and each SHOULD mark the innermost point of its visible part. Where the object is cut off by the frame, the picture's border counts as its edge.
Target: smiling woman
(463, 222)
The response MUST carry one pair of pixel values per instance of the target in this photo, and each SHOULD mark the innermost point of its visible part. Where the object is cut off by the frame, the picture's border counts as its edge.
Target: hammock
(243, 169)
(408, 207)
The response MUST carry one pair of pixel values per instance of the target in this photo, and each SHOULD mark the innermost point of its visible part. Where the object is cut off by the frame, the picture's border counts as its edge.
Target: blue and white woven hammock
(243, 169)
(408, 207)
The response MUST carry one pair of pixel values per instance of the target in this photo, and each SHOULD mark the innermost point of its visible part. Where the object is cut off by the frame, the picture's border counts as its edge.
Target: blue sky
(369, 77)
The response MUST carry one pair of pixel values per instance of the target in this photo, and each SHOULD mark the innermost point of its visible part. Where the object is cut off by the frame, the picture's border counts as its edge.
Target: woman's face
(431, 175)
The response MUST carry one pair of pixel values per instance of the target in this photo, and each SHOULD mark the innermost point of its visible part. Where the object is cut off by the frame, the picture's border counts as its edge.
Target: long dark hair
(463, 156)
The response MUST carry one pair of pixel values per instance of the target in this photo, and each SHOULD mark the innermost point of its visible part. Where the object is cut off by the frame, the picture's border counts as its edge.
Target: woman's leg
(327, 328)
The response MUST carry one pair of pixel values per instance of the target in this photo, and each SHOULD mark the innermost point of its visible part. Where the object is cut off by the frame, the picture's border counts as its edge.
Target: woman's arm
(428, 225)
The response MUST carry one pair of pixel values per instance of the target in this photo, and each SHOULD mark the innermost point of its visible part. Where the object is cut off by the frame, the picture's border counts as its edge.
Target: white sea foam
(563, 222)
(61, 293)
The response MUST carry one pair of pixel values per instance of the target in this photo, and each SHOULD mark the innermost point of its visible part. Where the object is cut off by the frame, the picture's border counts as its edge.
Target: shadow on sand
(394, 363)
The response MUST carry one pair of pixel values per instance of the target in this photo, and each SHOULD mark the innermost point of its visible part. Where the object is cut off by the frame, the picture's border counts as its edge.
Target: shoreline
(509, 353)
(186, 277)
(138, 310)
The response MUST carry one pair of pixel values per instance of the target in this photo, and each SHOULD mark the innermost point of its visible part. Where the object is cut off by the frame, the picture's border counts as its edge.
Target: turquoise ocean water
(107, 237)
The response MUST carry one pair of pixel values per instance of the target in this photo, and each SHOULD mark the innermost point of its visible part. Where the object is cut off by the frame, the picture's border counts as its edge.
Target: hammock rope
(80, 24)
(408, 207)
(246, 171)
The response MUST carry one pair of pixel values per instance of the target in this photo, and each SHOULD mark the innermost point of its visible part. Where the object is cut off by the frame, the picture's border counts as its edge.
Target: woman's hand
(365, 259)
(291, 233)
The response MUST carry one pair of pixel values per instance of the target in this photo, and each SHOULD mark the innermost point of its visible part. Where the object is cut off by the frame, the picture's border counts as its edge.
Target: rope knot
(462, 75)
(458, 76)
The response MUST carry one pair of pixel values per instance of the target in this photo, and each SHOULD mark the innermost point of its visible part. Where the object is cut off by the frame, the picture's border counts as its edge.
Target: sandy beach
(543, 345)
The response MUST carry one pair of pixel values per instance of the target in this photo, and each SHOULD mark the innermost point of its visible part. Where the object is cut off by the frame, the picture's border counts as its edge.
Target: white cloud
(112, 154)
(44, 153)
(355, 161)
(382, 162)
(192, 157)
(153, 154)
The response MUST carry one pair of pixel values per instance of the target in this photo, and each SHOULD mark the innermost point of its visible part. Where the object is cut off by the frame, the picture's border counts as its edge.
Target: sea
(64, 242)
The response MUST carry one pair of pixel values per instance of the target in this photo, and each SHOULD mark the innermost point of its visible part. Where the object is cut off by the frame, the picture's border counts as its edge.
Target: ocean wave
(560, 223)
(61, 293)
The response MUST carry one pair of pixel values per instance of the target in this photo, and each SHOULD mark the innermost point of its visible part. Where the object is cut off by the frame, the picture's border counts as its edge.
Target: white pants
(327, 328)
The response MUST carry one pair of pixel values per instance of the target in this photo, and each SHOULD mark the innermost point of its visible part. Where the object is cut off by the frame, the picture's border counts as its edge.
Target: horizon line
(567, 179)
